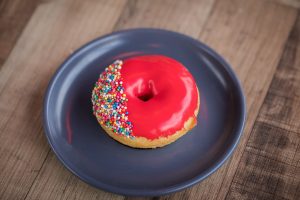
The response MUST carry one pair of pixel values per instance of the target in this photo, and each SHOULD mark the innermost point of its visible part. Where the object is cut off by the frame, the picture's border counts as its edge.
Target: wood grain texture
(270, 166)
(14, 15)
(187, 17)
(293, 3)
(251, 36)
(54, 31)
(56, 182)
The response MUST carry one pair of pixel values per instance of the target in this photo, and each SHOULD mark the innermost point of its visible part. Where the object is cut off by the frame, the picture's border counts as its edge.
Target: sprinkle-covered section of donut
(110, 102)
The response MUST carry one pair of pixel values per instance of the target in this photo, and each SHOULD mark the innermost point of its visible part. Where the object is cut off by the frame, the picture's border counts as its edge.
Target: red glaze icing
(169, 91)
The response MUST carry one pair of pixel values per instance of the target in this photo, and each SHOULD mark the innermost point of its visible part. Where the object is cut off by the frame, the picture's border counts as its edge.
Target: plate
(86, 150)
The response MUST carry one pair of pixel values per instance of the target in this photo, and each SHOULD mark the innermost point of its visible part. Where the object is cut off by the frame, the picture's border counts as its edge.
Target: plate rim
(167, 190)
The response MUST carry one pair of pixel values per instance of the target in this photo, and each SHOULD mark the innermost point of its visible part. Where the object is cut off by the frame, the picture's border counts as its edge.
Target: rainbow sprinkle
(110, 102)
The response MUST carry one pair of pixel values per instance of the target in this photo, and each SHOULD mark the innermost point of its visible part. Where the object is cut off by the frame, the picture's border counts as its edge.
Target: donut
(146, 101)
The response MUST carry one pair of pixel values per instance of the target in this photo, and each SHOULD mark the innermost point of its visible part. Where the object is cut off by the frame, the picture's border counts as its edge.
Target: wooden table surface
(259, 38)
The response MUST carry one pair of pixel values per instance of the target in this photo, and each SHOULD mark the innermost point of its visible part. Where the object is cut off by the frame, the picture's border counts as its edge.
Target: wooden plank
(56, 182)
(262, 177)
(270, 166)
(56, 28)
(70, 187)
(293, 3)
(251, 36)
(181, 16)
(14, 15)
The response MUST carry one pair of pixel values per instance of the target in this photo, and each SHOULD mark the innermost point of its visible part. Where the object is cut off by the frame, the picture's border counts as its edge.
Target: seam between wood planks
(16, 34)
(212, 10)
(128, 8)
(288, 3)
(38, 172)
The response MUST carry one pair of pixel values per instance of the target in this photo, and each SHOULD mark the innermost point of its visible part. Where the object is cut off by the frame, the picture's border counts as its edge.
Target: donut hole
(146, 96)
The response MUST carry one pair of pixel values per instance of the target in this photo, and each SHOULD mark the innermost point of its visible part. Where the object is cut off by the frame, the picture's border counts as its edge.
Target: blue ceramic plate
(87, 151)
